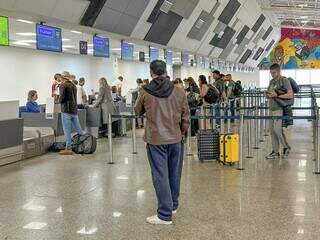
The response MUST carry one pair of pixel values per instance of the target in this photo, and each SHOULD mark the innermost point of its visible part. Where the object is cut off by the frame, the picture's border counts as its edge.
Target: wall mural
(297, 49)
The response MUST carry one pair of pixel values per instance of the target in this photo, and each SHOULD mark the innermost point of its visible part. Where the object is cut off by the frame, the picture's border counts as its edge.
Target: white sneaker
(156, 220)
(174, 211)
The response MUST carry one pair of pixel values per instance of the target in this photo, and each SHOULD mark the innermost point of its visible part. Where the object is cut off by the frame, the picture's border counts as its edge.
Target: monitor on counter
(101, 47)
(48, 38)
(126, 50)
(4, 31)
(153, 54)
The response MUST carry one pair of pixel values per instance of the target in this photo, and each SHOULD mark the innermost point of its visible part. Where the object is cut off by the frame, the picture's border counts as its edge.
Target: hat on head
(66, 75)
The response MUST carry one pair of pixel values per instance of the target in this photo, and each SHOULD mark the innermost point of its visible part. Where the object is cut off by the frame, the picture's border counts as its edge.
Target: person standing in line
(118, 83)
(230, 94)
(278, 137)
(219, 84)
(167, 112)
(104, 100)
(81, 94)
(69, 111)
(55, 87)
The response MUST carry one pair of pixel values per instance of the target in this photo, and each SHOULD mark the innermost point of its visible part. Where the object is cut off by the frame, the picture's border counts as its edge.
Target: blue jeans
(69, 120)
(166, 162)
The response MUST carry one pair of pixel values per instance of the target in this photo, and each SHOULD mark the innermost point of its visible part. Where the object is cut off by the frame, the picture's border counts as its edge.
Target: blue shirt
(32, 107)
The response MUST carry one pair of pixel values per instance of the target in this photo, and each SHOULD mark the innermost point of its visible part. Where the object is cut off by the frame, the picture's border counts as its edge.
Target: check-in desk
(11, 132)
(39, 120)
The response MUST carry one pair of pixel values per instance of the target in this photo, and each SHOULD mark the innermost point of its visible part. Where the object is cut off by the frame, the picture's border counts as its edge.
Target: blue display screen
(153, 54)
(101, 47)
(168, 55)
(126, 51)
(49, 38)
(185, 59)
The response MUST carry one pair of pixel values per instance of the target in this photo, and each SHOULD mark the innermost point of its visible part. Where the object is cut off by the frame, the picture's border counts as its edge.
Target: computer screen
(168, 55)
(185, 59)
(49, 38)
(126, 51)
(101, 47)
(153, 54)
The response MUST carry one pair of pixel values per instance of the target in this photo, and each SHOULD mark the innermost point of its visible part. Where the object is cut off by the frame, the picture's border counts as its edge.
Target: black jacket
(68, 98)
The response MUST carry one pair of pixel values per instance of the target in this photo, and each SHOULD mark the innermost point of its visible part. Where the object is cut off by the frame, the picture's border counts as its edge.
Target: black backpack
(294, 85)
(213, 95)
(237, 89)
(57, 147)
(84, 144)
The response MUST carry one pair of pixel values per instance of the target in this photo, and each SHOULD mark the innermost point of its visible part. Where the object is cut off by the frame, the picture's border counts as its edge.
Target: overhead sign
(101, 47)
(83, 47)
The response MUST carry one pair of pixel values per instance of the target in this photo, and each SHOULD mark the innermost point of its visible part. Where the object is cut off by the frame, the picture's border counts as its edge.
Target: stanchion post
(317, 167)
(222, 118)
(240, 163)
(265, 120)
(202, 120)
(110, 139)
(249, 136)
(214, 122)
(189, 148)
(134, 137)
(256, 121)
(229, 110)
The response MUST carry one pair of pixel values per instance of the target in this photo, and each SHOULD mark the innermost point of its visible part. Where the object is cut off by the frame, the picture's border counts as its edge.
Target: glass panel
(315, 76)
(264, 78)
(289, 73)
(303, 76)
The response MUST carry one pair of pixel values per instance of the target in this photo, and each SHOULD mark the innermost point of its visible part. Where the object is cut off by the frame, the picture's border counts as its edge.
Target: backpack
(84, 144)
(213, 95)
(237, 89)
(57, 147)
(294, 85)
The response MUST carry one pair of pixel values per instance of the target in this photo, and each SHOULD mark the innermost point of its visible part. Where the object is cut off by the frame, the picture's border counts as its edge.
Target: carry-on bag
(84, 144)
(229, 148)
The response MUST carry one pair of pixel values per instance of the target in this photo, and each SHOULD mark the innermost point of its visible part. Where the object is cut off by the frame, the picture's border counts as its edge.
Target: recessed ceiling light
(21, 43)
(66, 40)
(28, 41)
(25, 21)
(68, 46)
(77, 32)
(303, 17)
(115, 49)
(304, 21)
(26, 34)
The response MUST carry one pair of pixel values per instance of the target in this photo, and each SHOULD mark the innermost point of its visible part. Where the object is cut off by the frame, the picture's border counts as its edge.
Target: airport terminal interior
(159, 119)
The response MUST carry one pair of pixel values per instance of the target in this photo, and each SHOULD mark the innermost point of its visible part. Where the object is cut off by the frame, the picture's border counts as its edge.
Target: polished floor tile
(83, 197)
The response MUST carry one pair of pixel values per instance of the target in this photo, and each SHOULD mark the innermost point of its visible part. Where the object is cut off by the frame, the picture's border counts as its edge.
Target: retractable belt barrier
(252, 105)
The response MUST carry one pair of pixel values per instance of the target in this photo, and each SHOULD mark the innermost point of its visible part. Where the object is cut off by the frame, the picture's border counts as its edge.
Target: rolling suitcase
(208, 145)
(229, 149)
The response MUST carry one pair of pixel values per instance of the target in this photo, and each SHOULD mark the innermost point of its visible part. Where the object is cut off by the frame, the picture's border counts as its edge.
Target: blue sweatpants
(166, 163)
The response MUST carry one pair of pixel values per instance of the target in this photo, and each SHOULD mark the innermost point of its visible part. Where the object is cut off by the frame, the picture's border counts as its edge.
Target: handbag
(283, 102)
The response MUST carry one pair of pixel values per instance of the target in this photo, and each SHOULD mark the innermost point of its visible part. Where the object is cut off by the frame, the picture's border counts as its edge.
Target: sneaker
(286, 152)
(174, 211)
(66, 152)
(273, 155)
(157, 221)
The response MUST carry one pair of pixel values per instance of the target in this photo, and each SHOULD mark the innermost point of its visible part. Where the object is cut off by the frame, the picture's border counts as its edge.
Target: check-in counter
(40, 120)
(11, 140)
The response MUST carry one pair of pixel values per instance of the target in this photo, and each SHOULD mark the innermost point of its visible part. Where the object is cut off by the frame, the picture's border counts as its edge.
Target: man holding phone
(277, 135)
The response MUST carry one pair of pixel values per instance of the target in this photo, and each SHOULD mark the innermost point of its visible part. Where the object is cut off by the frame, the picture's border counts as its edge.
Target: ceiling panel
(259, 36)
(136, 8)
(225, 38)
(126, 25)
(108, 19)
(184, 8)
(258, 23)
(229, 11)
(245, 56)
(118, 5)
(266, 35)
(43, 7)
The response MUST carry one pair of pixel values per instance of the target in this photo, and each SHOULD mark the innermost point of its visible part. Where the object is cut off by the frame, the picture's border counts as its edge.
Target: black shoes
(286, 152)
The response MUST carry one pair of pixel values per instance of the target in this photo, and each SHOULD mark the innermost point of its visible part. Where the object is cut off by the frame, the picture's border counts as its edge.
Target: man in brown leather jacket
(167, 114)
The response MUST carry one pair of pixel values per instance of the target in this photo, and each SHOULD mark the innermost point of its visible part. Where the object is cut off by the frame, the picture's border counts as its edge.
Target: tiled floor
(82, 197)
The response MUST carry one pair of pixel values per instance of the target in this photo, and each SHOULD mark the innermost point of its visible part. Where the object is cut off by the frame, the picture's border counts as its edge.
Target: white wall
(247, 78)
(25, 69)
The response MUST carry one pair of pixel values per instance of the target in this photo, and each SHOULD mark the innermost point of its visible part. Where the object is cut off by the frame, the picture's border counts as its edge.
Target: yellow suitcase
(229, 148)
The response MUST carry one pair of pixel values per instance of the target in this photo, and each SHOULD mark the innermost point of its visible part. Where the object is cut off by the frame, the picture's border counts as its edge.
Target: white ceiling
(293, 13)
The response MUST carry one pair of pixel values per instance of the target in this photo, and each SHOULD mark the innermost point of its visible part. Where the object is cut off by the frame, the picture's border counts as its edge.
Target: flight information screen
(101, 47)
(126, 51)
(153, 54)
(185, 59)
(169, 57)
(49, 38)
(4, 31)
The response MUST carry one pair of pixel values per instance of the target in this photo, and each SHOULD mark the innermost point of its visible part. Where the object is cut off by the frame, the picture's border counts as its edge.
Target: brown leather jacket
(167, 115)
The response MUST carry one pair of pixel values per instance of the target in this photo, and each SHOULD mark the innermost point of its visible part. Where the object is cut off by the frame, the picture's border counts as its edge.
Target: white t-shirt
(80, 93)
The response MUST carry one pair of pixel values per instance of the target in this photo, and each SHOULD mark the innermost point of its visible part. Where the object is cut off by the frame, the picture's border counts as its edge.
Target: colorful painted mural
(297, 49)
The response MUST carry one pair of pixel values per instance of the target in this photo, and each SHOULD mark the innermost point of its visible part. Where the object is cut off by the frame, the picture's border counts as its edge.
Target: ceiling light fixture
(66, 40)
(21, 43)
(25, 21)
(28, 34)
(76, 32)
